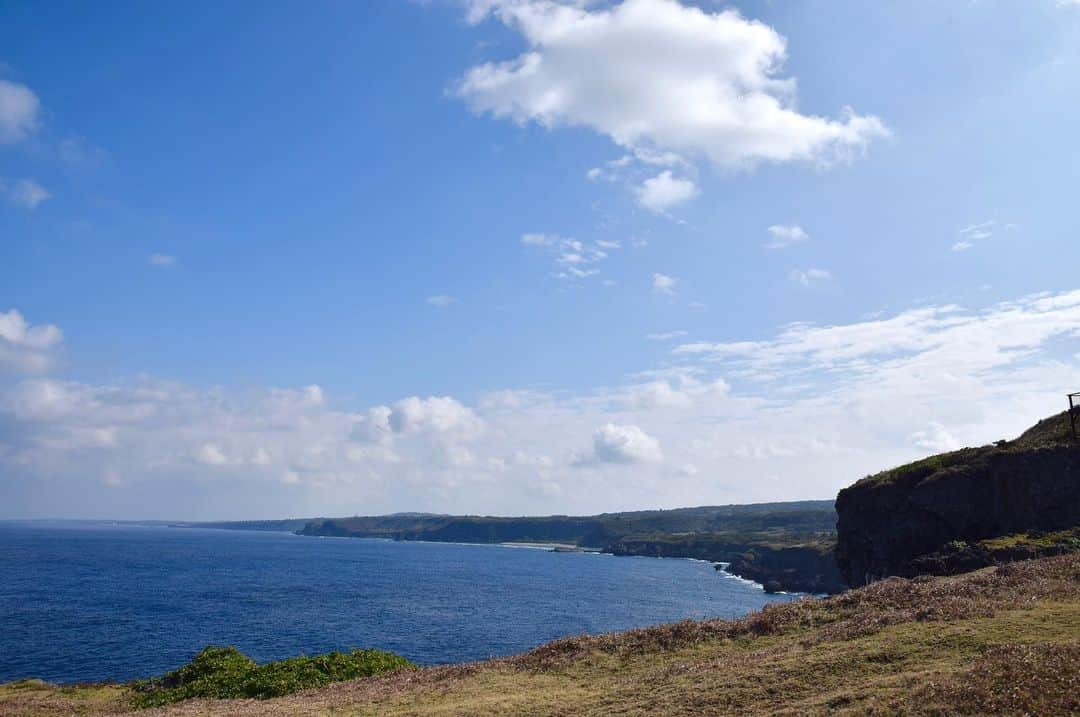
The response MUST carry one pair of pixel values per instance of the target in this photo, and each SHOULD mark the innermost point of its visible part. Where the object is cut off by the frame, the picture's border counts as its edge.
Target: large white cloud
(657, 75)
(19, 108)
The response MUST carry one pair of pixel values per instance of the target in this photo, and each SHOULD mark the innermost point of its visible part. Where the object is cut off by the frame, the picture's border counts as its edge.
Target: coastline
(719, 565)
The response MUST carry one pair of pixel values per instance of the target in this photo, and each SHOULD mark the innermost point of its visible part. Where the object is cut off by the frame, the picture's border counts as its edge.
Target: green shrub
(225, 672)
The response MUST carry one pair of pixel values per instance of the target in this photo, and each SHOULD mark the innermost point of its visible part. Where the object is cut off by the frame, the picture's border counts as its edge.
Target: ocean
(83, 602)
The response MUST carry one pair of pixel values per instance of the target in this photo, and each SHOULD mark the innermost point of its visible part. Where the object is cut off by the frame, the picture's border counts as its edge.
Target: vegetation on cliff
(1003, 640)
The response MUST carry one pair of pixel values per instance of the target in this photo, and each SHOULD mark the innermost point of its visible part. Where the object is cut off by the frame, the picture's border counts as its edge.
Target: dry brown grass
(1000, 641)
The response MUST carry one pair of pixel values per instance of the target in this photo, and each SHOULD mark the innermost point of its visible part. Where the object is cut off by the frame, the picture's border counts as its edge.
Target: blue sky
(524, 256)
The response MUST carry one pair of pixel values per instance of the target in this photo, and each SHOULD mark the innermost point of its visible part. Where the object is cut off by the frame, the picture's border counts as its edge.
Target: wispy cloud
(806, 277)
(939, 335)
(25, 193)
(972, 234)
(666, 336)
(19, 111)
(162, 261)
(573, 259)
(441, 301)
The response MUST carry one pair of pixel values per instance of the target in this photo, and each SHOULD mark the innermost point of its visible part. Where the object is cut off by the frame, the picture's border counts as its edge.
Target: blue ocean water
(88, 602)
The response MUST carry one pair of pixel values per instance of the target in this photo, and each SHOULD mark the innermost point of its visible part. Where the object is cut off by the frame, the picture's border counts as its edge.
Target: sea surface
(90, 602)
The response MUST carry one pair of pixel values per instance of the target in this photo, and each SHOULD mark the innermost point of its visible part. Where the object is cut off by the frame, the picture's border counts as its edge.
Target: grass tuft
(227, 673)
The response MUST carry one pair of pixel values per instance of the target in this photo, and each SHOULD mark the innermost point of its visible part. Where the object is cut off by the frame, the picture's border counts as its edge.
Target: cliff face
(807, 569)
(886, 522)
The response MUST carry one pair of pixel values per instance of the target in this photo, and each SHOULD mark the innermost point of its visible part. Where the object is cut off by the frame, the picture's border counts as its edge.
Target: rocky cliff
(779, 562)
(888, 523)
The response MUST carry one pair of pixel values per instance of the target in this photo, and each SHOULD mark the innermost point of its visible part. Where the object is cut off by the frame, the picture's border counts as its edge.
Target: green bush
(225, 672)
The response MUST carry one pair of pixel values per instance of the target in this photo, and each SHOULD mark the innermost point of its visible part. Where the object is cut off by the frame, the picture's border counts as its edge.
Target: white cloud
(573, 260)
(439, 413)
(979, 228)
(942, 336)
(537, 239)
(806, 277)
(665, 335)
(934, 439)
(163, 261)
(783, 236)
(677, 389)
(664, 284)
(212, 455)
(19, 108)
(25, 193)
(637, 166)
(658, 76)
(795, 414)
(664, 191)
(440, 416)
(973, 233)
(77, 152)
(25, 348)
(613, 443)
(441, 300)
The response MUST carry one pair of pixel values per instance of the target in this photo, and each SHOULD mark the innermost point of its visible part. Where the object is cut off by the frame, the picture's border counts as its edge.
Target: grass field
(999, 641)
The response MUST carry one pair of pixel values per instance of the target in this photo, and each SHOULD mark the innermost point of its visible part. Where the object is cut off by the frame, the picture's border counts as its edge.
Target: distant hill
(595, 531)
(286, 525)
(961, 510)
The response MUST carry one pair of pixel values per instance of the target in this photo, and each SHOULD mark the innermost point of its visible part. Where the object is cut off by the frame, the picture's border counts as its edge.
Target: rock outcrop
(886, 523)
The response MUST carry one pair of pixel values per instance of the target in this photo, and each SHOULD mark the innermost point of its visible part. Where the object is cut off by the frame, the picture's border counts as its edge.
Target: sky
(524, 256)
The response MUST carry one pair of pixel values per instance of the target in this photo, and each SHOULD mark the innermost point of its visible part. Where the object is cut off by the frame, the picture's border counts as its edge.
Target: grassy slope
(1003, 640)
